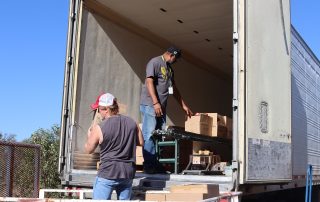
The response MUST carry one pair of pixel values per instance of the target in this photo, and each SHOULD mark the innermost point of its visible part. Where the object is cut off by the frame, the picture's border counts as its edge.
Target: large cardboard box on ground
(188, 196)
(192, 192)
(196, 188)
(156, 195)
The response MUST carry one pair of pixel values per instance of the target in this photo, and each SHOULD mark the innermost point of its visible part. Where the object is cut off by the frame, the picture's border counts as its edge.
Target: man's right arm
(152, 92)
(94, 137)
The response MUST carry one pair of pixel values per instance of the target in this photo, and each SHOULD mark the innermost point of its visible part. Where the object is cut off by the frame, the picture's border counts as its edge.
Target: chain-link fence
(19, 169)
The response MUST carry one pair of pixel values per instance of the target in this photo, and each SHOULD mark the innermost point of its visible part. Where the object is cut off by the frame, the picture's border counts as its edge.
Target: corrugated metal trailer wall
(305, 106)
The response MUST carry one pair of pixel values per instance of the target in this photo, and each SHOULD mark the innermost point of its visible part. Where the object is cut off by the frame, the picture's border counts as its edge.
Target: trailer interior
(116, 41)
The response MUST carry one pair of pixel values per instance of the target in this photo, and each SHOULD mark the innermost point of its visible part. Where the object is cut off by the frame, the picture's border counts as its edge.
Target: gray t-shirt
(118, 148)
(163, 77)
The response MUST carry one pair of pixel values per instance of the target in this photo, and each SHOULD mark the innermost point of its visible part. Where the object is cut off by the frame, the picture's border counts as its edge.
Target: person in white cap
(117, 135)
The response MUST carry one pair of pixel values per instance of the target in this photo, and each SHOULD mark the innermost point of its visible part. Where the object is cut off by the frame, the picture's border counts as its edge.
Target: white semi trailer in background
(240, 58)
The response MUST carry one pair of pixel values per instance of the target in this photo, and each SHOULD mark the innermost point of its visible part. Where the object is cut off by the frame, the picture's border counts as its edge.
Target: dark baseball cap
(175, 51)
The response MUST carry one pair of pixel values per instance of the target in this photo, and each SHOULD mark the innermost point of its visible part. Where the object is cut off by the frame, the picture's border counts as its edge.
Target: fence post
(309, 184)
(37, 172)
(9, 151)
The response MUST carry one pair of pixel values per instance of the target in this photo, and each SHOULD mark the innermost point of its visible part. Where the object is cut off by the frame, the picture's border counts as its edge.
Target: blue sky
(32, 56)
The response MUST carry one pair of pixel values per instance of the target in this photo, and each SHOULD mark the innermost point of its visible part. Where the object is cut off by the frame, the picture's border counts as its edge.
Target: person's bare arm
(177, 95)
(152, 91)
(93, 139)
(140, 137)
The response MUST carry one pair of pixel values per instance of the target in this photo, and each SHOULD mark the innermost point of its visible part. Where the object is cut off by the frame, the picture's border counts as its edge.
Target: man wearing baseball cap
(117, 135)
(159, 84)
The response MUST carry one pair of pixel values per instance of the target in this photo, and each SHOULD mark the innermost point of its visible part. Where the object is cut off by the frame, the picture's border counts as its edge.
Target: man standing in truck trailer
(117, 136)
(159, 83)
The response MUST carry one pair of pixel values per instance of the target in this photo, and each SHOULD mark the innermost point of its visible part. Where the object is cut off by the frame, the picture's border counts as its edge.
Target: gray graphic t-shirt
(163, 76)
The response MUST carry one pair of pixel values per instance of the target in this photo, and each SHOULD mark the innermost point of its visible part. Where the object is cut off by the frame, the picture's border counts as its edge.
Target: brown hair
(114, 109)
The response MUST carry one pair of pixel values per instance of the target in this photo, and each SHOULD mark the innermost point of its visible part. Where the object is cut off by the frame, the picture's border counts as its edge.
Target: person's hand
(189, 113)
(157, 109)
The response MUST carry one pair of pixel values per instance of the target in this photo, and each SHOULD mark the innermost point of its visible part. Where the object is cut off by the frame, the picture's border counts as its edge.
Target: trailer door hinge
(73, 16)
(70, 59)
(235, 37)
(235, 104)
(235, 165)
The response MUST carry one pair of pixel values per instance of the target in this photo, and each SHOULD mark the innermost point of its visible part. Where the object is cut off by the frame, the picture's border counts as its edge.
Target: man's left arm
(177, 95)
(93, 139)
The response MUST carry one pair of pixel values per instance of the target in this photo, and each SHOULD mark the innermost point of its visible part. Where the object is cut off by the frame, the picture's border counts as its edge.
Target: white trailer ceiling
(205, 32)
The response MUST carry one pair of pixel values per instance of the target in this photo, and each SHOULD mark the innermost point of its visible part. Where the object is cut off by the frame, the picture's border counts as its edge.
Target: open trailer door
(265, 87)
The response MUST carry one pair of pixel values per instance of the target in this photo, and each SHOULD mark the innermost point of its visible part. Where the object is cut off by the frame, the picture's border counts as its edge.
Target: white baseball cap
(104, 100)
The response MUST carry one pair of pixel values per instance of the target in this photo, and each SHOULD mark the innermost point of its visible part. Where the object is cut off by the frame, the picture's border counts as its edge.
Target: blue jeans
(150, 123)
(102, 188)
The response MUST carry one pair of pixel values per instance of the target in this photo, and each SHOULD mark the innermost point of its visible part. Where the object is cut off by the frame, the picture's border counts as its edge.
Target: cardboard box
(139, 160)
(156, 195)
(139, 151)
(202, 159)
(211, 124)
(219, 131)
(212, 189)
(228, 122)
(192, 192)
(167, 196)
(217, 119)
(200, 124)
(139, 155)
(188, 196)
(219, 128)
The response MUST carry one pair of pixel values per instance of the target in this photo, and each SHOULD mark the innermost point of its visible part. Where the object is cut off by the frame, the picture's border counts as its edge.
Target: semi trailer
(240, 58)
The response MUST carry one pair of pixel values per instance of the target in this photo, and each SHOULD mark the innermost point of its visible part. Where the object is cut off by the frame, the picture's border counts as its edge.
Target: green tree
(7, 137)
(48, 139)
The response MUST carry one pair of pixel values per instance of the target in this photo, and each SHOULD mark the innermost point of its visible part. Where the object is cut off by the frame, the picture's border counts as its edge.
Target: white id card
(170, 90)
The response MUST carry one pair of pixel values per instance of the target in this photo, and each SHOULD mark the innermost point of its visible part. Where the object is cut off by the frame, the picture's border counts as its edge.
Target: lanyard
(168, 72)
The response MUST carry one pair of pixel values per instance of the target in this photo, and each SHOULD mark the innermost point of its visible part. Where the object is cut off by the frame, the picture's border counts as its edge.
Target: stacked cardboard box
(200, 124)
(211, 124)
(218, 127)
(139, 156)
(191, 192)
(156, 195)
(228, 123)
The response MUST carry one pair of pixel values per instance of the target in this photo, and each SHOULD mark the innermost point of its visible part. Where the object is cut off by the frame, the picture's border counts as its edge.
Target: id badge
(170, 90)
